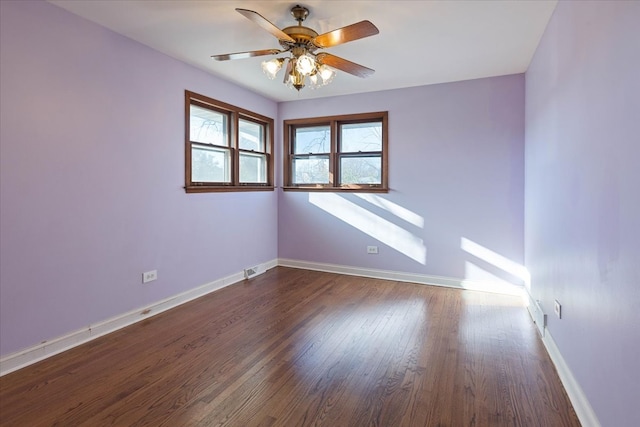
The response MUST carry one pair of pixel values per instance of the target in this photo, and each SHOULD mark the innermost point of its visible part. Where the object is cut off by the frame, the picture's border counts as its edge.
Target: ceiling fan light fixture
(314, 81)
(326, 73)
(305, 64)
(271, 67)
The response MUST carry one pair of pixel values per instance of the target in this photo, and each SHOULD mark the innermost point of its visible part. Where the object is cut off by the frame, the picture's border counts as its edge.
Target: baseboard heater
(537, 314)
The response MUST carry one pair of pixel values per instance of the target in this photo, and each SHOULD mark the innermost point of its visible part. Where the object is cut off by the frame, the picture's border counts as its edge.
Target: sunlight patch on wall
(399, 211)
(502, 263)
(479, 279)
(379, 228)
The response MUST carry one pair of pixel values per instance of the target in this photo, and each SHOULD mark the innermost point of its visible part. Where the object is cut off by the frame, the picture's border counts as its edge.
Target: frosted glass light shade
(326, 73)
(271, 67)
(305, 64)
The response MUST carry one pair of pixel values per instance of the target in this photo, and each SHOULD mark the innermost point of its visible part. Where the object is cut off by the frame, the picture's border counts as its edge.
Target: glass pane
(253, 168)
(361, 170)
(210, 165)
(251, 136)
(312, 140)
(312, 170)
(208, 126)
(357, 137)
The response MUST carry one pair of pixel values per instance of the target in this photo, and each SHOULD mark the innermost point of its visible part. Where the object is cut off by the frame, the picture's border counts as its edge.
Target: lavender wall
(92, 169)
(582, 197)
(455, 172)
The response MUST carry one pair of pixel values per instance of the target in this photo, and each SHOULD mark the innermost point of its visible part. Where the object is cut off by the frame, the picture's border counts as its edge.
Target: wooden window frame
(234, 115)
(334, 122)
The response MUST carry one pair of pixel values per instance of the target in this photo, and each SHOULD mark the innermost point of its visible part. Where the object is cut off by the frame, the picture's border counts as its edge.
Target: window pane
(361, 170)
(251, 136)
(210, 165)
(253, 168)
(208, 126)
(355, 137)
(310, 140)
(311, 170)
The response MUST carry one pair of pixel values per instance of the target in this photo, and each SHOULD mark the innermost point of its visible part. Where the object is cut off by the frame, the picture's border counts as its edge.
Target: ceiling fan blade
(264, 23)
(243, 55)
(346, 34)
(344, 65)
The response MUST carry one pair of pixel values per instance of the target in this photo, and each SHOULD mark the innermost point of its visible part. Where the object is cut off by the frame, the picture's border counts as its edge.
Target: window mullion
(267, 144)
(333, 157)
(234, 136)
(287, 173)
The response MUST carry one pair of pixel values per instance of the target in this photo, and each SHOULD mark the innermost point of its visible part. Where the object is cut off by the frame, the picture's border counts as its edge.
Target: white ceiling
(420, 42)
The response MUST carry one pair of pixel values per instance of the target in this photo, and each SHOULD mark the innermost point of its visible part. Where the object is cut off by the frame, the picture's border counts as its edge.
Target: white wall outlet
(149, 276)
(557, 308)
(372, 249)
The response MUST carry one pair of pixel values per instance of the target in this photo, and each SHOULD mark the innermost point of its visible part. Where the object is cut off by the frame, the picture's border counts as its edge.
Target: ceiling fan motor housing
(302, 36)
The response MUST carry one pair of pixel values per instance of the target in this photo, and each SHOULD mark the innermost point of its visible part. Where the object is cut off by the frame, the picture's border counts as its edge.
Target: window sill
(338, 189)
(229, 188)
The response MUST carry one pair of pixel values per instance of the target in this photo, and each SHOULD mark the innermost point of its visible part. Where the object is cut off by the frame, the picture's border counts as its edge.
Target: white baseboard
(578, 399)
(36, 353)
(424, 279)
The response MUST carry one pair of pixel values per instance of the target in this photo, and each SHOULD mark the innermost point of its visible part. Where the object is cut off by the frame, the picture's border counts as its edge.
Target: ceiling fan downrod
(299, 13)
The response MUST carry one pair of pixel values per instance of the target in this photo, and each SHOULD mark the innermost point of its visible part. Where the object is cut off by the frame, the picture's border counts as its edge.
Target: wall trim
(578, 399)
(449, 282)
(20, 359)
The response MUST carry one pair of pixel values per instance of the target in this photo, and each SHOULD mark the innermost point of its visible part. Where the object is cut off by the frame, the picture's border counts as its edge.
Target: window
(341, 153)
(226, 148)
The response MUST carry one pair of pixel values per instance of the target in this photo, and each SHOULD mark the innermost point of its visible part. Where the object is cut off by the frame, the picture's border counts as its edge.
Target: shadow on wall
(484, 269)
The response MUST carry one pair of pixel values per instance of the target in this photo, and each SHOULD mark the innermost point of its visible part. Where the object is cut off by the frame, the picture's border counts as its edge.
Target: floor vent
(250, 272)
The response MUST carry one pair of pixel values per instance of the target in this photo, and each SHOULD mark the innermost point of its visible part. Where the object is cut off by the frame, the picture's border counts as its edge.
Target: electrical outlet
(372, 249)
(557, 308)
(149, 276)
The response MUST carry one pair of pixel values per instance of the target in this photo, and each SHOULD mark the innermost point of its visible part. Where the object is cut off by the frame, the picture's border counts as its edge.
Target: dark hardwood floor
(300, 348)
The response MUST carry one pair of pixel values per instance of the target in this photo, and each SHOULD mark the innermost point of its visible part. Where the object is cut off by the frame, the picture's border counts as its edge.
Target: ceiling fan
(302, 43)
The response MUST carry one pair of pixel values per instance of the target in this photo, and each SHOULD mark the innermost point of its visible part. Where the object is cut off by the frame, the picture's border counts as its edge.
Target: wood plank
(296, 347)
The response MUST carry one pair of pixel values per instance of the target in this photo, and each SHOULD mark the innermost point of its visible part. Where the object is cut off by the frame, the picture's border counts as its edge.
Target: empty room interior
(249, 213)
